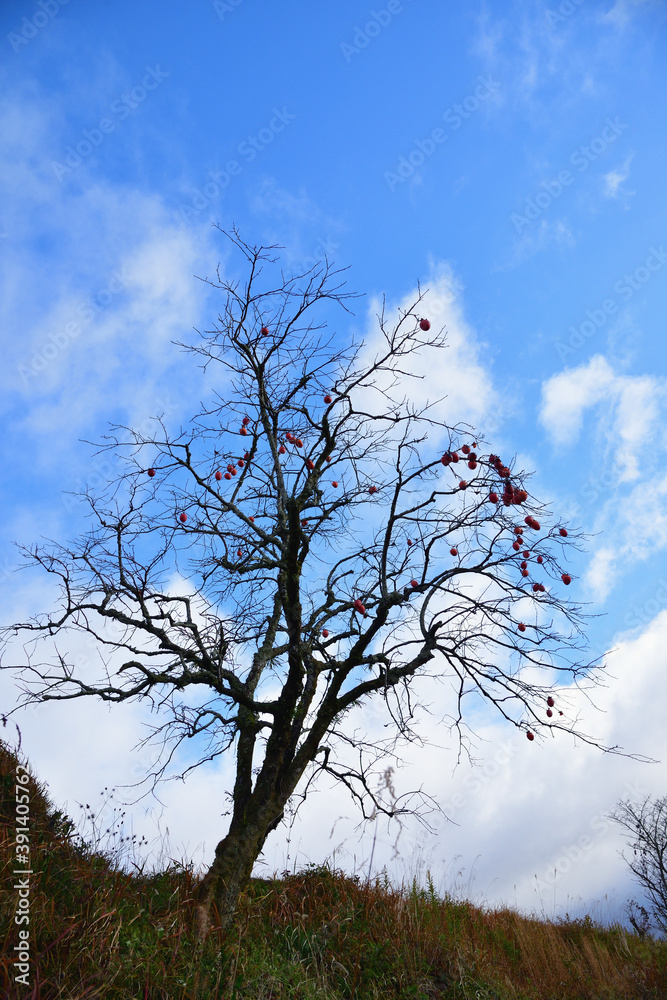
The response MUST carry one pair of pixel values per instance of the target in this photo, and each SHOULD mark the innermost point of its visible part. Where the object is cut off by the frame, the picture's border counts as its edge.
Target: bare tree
(647, 826)
(333, 557)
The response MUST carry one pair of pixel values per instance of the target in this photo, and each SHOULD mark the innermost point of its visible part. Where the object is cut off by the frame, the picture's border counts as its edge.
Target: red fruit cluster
(424, 325)
(539, 587)
(567, 579)
(499, 466)
(359, 607)
(532, 523)
(511, 494)
(310, 464)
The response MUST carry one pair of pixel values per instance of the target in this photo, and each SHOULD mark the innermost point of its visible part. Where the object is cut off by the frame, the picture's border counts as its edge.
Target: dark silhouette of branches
(647, 826)
(328, 554)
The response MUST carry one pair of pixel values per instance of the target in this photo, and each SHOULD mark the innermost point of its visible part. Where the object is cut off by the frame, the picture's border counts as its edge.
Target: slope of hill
(96, 932)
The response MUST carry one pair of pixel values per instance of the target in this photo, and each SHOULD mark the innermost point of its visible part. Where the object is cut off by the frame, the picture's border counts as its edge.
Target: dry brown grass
(98, 932)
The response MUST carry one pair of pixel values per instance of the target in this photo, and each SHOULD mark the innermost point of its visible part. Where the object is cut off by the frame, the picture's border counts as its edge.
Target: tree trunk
(230, 872)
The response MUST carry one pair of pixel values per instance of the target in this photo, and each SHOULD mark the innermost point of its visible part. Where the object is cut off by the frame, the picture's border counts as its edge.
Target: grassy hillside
(97, 932)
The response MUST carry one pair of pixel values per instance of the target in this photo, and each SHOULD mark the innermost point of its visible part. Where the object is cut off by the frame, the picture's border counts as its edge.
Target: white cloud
(600, 574)
(631, 416)
(629, 421)
(490, 33)
(643, 507)
(630, 410)
(453, 375)
(100, 346)
(89, 337)
(537, 237)
(613, 181)
(638, 413)
(567, 395)
(622, 12)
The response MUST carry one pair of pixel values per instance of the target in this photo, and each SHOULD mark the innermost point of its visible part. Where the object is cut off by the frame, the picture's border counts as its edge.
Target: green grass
(99, 932)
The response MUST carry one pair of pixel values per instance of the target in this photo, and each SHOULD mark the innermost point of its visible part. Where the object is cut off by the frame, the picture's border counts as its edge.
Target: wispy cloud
(547, 233)
(93, 339)
(622, 12)
(628, 418)
(614, 179)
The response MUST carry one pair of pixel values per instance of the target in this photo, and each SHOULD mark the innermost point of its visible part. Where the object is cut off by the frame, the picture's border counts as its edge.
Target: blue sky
(508, 156)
